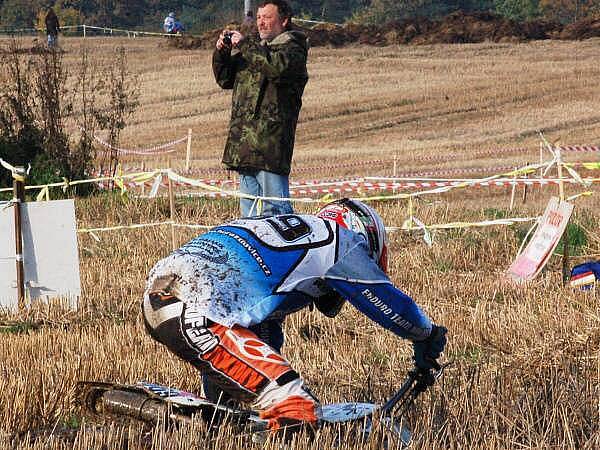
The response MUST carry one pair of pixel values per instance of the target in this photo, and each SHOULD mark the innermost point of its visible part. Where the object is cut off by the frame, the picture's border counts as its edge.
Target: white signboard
(50, 252)
(545, 239)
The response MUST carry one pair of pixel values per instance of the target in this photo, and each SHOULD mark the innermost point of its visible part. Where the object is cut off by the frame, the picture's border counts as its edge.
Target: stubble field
(526, 360)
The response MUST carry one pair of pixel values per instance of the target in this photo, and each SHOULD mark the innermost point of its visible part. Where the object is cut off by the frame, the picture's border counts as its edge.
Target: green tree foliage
(19, 13)
(24, 115)
(518, 9)
(35, 105)
(200, 15)
(67, 16)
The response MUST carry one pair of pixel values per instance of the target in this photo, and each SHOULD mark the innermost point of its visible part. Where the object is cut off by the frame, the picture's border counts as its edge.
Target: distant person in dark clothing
(52, 28)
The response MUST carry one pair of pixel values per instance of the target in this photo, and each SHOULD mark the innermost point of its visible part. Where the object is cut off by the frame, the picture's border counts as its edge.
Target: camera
(227, 38)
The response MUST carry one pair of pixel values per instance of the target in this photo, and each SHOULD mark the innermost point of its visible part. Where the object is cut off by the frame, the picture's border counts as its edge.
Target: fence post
(541, 162)
(171, 208)
(188, 153)
(561, 193)
(84, 34)
(19, 199)
(512, 191)
(525, 188)
(143, 183)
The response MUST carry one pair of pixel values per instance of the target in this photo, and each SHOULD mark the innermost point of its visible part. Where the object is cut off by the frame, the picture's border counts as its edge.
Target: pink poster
(545, 239)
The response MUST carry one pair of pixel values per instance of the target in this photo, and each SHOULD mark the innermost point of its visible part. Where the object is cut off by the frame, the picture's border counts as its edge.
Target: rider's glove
(430, 349)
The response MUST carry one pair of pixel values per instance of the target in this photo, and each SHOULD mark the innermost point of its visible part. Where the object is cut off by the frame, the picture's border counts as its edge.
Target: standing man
(52, 27)
(268, 79)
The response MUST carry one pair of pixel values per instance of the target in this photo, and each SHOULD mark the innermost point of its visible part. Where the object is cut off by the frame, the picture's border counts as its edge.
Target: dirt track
(454, 28)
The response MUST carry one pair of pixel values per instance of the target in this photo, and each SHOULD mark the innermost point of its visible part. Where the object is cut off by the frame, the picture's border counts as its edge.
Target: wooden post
(561, 193)
(19, 199)
(172, 209)
(541, 162)
(188, 153)
(84, 34)
(525, 188)
(512, 192)
(561, 184)
(143, 189)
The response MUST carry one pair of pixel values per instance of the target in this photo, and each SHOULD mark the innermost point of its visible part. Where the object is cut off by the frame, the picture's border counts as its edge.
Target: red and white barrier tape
(578, 148)
(420, 174)
(156, 150)
(354, 186)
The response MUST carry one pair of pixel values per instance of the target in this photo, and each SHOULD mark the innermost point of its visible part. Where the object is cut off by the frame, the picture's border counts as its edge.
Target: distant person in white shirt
(172, 25)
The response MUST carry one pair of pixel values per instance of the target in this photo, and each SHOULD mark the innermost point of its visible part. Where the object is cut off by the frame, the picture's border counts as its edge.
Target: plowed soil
(458, 27)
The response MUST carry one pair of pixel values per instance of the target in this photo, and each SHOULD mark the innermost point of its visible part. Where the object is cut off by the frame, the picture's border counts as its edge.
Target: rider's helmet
(362, 219)
(172, 15)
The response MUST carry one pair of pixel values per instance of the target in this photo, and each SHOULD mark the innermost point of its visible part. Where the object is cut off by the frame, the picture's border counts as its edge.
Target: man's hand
(236, 38)
(233, 38)
(429, 350)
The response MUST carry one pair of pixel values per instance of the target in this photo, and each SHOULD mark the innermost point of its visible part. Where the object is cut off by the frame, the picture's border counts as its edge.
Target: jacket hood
(292, 35)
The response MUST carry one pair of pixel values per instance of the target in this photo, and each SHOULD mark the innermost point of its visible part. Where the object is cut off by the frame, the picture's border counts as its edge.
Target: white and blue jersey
(255, 269)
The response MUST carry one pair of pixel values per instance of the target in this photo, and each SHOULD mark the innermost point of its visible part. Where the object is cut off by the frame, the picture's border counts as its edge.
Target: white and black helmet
(362, 219)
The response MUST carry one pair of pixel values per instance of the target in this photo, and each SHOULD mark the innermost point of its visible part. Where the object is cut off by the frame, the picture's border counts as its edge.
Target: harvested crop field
(526, 360)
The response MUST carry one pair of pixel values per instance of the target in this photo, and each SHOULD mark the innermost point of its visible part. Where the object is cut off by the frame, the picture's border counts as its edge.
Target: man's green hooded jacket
(268, 80)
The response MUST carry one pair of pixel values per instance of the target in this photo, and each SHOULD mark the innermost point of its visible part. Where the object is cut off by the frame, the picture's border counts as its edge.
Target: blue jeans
(52, 40)
(261, 183)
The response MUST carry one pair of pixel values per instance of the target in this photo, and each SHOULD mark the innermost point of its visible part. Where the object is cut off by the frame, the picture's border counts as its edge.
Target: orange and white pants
(236, 359)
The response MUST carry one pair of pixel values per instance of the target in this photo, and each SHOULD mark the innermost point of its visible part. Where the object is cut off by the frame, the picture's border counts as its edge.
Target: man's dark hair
(283, 7)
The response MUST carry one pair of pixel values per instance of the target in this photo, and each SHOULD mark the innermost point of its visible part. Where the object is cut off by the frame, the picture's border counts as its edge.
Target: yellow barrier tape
(326, 198)
(408, 225)
(192, 182)
(66, 183)
(521, 171)
(144, 176)
(485, 223)
(576, 196)
(576, 176)
(44, 194)
(140, 177)
(591, 165)
(125, 227)
(119, 179)
(193, 226)
(524, 170)
(420, 225)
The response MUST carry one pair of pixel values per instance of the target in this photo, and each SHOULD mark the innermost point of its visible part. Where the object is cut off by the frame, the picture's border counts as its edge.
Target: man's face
(269, 23)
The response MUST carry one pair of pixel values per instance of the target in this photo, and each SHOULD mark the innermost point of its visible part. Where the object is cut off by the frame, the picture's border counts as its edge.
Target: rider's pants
(236, 359)
(269, 331)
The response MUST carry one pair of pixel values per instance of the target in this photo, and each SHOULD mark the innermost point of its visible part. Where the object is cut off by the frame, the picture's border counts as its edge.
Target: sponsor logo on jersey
(210, 250)
(249, 248)
(389, 312)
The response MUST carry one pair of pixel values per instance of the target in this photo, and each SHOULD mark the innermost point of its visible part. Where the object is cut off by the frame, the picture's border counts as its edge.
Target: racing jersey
(253, 269)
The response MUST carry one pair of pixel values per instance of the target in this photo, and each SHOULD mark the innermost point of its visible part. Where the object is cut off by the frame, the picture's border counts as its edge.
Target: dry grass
(526, 370)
